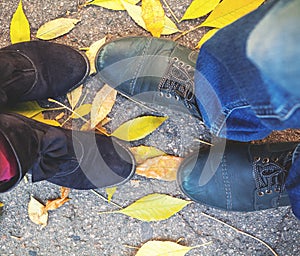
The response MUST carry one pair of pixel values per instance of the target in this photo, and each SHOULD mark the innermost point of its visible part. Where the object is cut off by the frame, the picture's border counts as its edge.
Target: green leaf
(199, 8)
(135, 13)
(207, 36)
(229, 11)
(138, 128)
(163, 248)
(112, 4)
(81, 111)
(56, 28)
(154, 207)
(19, 26)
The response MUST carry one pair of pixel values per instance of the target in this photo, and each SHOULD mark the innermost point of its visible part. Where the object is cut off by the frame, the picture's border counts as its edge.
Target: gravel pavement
(77, 228)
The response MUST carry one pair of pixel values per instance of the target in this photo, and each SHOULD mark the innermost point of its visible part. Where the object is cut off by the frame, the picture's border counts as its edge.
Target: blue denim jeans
(247, 79)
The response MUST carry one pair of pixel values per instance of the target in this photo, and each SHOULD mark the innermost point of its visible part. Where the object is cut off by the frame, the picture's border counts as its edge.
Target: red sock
(8, 163)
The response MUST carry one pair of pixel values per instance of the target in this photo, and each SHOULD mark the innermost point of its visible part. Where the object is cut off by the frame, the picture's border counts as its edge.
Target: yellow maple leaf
(111, 4)
(74, 96)
(153, 15)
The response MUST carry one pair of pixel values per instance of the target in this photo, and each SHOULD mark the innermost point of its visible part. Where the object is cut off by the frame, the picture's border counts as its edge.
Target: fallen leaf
(110, 192)
(199, 8)
(64, 192)
(56, 28)
(111, 4)
(135, 12)
(19, 26)
(163, 248)
(102, 104)
(161, 167)
(1, 204)
(207, 36)
(153, 15)
(81, 111)
(40, 118)
(28, 109)
(92, 52)
(56, 203)
(229, 11)
(142, 153)
(138, 128)
(154, 207)
(60, 116)
(74, 96)
(37, 213)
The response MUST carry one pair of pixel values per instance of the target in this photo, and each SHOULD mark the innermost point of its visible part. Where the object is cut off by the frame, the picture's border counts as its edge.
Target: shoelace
(271, 172)
(178, 82)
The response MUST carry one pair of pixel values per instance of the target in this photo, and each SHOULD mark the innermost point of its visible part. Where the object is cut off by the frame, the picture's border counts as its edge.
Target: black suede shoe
(239, 177)
(150, 70)
(38, 70)
(80, 160)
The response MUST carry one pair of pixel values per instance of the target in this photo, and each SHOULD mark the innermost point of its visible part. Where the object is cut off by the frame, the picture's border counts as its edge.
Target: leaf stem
(170, 10)
(241, 232)
(106, 200)
(186, 32)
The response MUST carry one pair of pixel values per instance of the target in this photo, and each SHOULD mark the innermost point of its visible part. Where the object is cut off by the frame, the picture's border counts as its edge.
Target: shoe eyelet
(266, 160)
(189, 106)
(168, 95)
(181, 63)
(256, 159)
(161, 94)
(188, 67)
(277, 190)
(260, 193)
(276, 159)
(177, 97)
(175, 59)
(269, 192)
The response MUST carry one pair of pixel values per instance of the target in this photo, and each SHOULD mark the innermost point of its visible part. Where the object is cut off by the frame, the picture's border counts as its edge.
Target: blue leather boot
(238, 176)
(150, 70)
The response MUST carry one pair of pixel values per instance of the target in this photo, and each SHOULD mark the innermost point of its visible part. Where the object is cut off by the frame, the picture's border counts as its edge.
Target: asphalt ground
(77, 228)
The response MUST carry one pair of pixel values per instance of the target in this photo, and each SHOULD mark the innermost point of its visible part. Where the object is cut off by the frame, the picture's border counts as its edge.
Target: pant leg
(293, 183)
(231, 91)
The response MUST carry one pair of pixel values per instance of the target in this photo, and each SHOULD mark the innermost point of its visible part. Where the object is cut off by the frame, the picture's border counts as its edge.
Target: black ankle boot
(80, 160)
(38, 70)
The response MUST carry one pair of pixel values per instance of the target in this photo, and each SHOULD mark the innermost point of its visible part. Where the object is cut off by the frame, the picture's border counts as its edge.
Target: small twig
(105, 199)
(204, 142)
(170, 10)
(79, 116)
(241, 232)
(186, 32)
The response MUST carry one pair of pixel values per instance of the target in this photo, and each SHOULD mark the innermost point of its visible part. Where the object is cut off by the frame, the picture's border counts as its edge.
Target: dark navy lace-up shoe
(150, 70)
(238, 176)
